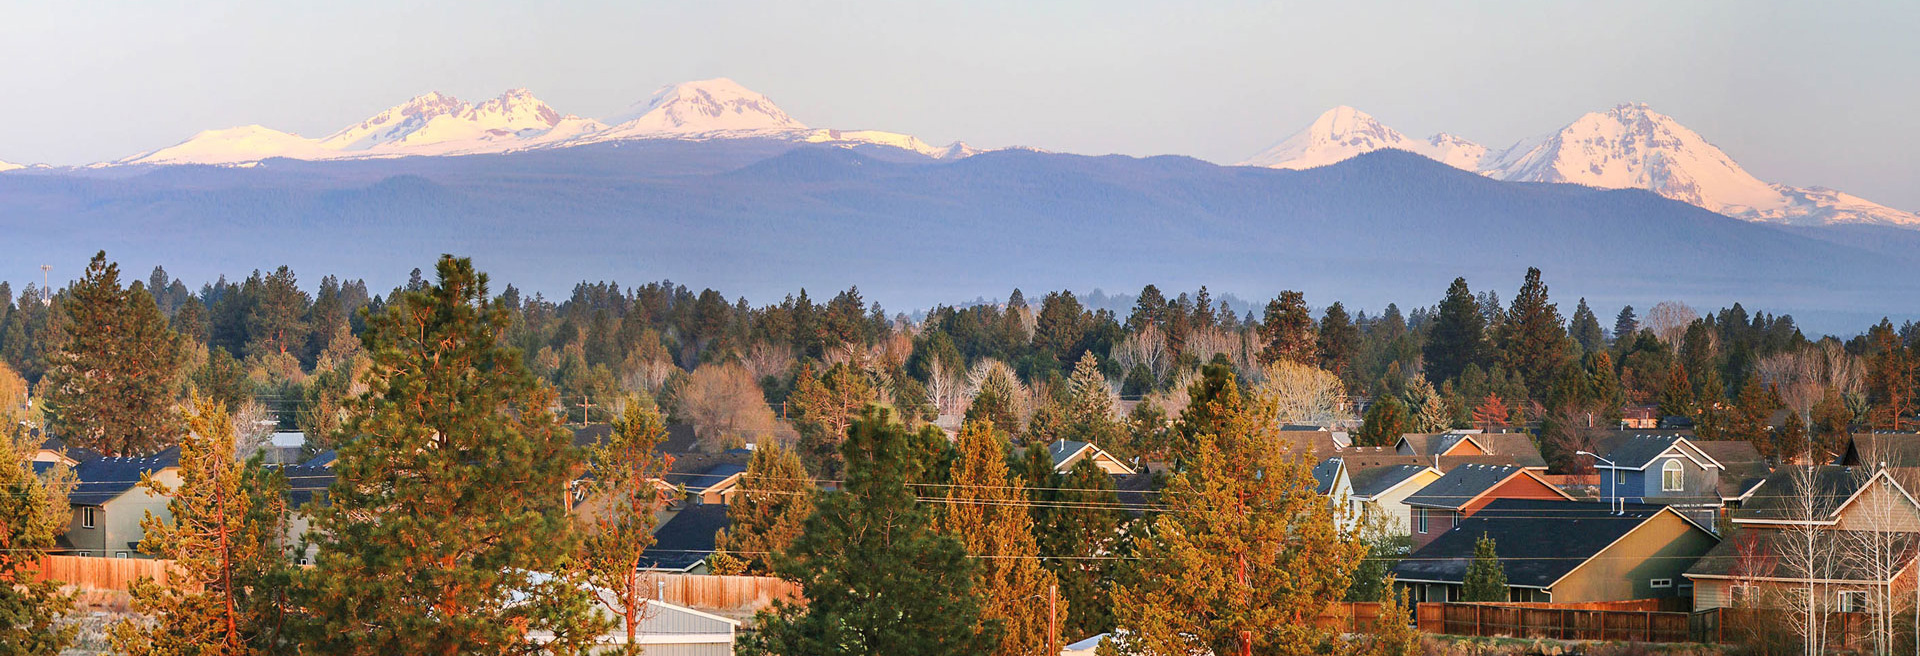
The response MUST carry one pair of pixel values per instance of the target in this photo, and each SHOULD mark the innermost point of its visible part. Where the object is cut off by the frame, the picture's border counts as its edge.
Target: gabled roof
(1782, 497)
(1763, 554)
(1326, 476)
(1316, 444)
(1538, 541)
(305, 483)
(688, 538)
(680, 438)
(74, 453)
(1374, 481)
(1065, 450)
(1514, 448)
(1745, 467)
(1462, 486)
(325, 458)
(103, 479)
(708, 478)
(1891, 449)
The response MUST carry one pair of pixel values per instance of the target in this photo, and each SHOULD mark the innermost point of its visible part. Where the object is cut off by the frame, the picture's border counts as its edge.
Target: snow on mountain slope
(1337, 135)
(1634, 147)
(1627, 147)
(436, 124)
(244, 144)
(9, 166)
(711, 106)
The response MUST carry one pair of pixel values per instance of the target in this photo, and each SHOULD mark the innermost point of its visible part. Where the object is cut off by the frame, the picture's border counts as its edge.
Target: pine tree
(1533, 341)
(1458, 335)
(1486, 579)
(770, 508)
(1625, 324)
(1339, 341)
(1287, 331)
(226, 540)
(878, 579)
(986, 511)
(111, 383)
(1079, 527)
(620, 519)
(1387, 419)
(1676, 396)
(1393, 632)
(445, 530)
(1751, 410)
(33, 515)
(276, 322)
(1089, 404)
(1585, 329)
(822, 408)
(1244, 544)
(1492, 412)
(1790, 440)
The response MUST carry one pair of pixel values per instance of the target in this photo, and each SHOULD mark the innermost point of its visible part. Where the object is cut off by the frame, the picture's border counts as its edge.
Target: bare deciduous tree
(1144, 347)
(1306, 395)
(1669, 321)
(724, 403)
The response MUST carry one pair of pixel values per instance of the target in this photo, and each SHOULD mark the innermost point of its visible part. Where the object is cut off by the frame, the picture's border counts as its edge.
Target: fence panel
(103, 574)
(725, 594)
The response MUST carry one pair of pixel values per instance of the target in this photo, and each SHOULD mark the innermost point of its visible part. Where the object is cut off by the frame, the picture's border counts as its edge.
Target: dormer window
(1672, 477)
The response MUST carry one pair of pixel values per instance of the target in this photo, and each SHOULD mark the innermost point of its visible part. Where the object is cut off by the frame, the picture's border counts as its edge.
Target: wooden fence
(722, 594)
(1348, 617)
(102, 574)
(1554, 622)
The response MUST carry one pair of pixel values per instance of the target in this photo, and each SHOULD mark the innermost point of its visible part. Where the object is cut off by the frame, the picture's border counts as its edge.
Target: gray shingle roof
(1635, 451)
(102, 479)
(1763, 553)
(1372, 481)
(1326, 473)
(1457, 487)
(1831, 486)
(1538, 541)
(686, 539)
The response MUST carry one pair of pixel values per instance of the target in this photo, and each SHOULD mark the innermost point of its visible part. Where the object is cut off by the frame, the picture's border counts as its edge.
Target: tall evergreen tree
(986, 511)
(1533, 341)
(1625, 324)
(1089, 404)
(112, 381)
(446, 532)
(1585, 329)
(1081, 535)
(277, 321)
(1386, 420)
(770, 509)
(225, 537)
(1287, 331)
(1244, 545)
(1458, 335)
(1486, 579)
(878, 579)
(1339, 341)
(623, 506)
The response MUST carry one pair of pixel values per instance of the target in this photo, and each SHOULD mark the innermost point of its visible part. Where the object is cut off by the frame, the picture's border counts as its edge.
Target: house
(716, 484)
(1330, 481)
(1518, 447)
(1067, 453)
(1460, 493)
(669, 630)
(1086, 647)
(109, 504)
(1640, 417)
(305, 484)
(1382, 492)
(1564, 552)
(1314, 443)
(1672, 469)
(1889, 449)
(683, 542)
(1803, 523)
(55, 449)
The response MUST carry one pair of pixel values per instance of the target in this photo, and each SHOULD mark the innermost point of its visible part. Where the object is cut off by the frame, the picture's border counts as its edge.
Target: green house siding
(1662, 548)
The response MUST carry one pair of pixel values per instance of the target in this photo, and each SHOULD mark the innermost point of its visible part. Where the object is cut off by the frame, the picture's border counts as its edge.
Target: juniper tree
(1485, 579)
(33, 514)
(619, 512)
(987, 511)
(446, 531)
(877, 577)
(110, 385)
(1243, 545)
(769, 508)
(225, 534)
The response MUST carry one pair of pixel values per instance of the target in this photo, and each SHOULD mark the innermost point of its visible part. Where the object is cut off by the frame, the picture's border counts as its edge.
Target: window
(1619, 477)
(1661, 583)
(86, 517)
(1420, 519)
(1853, 601)
(119, 554)
(1738, 593)
(1672, 478)
(85, 554)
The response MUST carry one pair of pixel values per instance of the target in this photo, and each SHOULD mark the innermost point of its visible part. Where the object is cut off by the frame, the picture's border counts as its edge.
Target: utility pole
(1246, 637)
(46, 286)
(585, 405)
(1053, 620)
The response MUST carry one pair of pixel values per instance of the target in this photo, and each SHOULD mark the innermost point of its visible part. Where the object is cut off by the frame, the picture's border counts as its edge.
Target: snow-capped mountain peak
(1338, 134)
(247, 143)
(394, 123)
(704, 106)
(9, 166)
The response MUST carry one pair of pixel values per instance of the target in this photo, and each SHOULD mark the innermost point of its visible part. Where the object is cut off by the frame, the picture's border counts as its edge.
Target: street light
(1611, 480)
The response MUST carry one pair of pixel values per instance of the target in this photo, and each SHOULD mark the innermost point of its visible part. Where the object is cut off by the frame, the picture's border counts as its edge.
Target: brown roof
(1514, 448)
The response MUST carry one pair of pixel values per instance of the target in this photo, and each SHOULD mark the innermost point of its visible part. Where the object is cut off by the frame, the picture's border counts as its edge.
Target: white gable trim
(1398, 485)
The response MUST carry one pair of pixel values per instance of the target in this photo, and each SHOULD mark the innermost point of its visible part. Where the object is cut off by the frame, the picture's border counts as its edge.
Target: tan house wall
(1393, 503)
(1661, 548)
(1880, 508)
(117, 522)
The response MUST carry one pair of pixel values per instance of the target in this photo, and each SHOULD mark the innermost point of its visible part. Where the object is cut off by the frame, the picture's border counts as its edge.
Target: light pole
(1612, 479)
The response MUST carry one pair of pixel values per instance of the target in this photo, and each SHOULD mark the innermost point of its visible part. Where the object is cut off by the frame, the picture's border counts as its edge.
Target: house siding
(1393, 503)
(1880, 508)
(1518, 487)
(117, 521)
(1661, 548)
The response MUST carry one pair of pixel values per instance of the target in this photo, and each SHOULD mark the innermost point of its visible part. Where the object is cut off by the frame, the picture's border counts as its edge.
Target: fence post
(1649, 629)
(1477, 631)
(1603, 625)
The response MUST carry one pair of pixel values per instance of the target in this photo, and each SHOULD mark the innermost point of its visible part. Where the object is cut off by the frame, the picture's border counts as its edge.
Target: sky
(1807, 94)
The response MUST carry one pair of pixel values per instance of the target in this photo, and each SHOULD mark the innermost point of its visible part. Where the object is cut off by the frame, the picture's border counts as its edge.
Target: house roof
(1745, 467)
(1749, 553)
(306, 482)
(1892, 449)
(680, 437)
(707, 478)
(1831, 487)
(1368, 457)
(1135, 490)
(323, 459)
(1636, 451)
(1316, 444)
(1514, 448)
(1538, 541)
(1457, 488)
(1326, 476)
(102, 479)
(686, 539)
(76, 453)
(1372, 481)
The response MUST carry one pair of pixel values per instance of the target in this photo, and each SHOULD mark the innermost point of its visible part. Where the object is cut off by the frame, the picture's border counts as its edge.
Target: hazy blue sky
(1802, 93)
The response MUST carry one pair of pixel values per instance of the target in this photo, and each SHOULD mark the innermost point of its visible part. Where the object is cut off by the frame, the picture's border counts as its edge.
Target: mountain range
(1627, 147)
